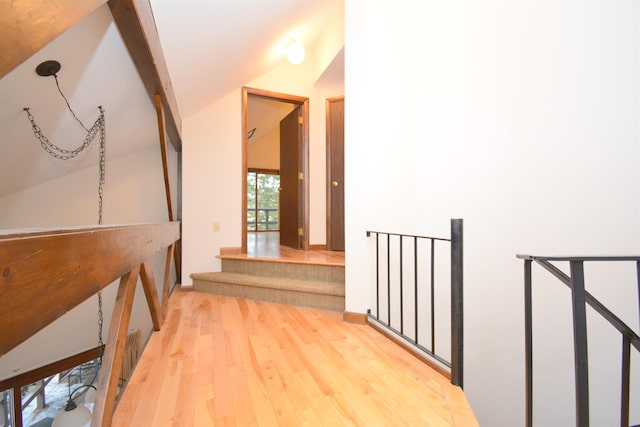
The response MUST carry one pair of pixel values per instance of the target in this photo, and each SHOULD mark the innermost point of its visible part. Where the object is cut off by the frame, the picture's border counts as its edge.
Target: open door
(290, 182)
(294, 220)
(335, 174)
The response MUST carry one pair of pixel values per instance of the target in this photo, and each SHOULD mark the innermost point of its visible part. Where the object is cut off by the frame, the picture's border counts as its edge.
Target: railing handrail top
(579, 258)
(408, 235)
(39, 232)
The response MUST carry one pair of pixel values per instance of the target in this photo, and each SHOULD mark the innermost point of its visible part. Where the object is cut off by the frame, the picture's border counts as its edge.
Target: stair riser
(324, 302)
(324, 273)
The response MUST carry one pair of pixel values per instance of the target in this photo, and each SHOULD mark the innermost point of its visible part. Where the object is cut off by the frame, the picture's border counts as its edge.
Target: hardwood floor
(221, 361)
(266, 246)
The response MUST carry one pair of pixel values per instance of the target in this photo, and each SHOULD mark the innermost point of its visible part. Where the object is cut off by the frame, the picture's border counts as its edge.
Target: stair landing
(302, 278)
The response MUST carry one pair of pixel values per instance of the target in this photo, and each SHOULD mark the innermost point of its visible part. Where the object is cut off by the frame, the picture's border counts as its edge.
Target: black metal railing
(580, 299)
(254, 223)
(394, 288)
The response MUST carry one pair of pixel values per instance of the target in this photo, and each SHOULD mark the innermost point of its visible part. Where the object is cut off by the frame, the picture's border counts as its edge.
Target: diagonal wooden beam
(137, 26)
(167, 279)
(26, 26)
(114, 351)
(45, 274)
(151, 294)
(162, 131)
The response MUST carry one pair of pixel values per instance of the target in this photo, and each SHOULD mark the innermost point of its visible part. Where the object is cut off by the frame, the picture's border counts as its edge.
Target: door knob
(279, 188)
(334, 183)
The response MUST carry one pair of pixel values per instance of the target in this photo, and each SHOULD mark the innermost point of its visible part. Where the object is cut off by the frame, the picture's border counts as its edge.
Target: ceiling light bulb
(295, 52)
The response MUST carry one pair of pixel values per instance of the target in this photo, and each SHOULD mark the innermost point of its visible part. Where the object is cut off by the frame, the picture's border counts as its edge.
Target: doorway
(291, 120)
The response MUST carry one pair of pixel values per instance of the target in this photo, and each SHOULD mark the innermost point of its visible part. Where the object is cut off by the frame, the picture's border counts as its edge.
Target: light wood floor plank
(221, 361)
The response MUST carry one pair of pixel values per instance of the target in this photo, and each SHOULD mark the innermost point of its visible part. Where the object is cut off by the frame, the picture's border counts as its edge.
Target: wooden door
(289, 182)
(335, 174)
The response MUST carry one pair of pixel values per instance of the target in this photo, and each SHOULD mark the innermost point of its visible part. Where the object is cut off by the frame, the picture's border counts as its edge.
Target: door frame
(303, 205)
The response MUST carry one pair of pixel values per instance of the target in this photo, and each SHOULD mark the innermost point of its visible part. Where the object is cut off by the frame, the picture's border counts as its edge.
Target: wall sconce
(295, 52)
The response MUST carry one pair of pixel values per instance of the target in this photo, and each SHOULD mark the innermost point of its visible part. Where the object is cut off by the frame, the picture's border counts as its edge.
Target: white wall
(212, 168)
(133, 193)
(521, 118)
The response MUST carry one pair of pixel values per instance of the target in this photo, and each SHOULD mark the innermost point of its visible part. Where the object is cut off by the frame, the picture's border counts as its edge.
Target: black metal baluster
(389, 279)
(433, 295)
(638, 283)
(415, 285)
(580, 343)
(401, 285)
(457, 321)
(528, 342)
(377, 277)
(626, 380)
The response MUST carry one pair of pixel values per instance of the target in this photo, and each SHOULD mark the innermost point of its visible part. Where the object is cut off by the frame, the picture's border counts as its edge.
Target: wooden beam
(114, 350)
(151, 294)
(137, 26)
(17, 407)
(48, 274)
(26, 26)
(162, 132)
(167, 280)
(163, 152)
(56, 367)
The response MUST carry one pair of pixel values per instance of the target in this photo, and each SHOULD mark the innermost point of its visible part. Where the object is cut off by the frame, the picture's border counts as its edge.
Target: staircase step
(291, 270)
(327, 295)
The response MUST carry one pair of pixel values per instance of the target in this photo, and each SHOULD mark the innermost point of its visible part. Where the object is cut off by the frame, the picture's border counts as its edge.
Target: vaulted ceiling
(210, 46)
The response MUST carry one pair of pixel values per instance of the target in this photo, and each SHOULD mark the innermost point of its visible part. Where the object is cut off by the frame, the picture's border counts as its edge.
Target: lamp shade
(90, 395)
(295, 52)
(78, 416)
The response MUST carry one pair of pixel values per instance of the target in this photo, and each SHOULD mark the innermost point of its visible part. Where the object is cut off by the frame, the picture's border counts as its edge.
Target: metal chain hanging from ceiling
(50, 68)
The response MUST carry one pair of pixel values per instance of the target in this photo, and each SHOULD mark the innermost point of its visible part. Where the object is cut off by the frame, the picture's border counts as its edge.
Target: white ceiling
(215, 46)
(96, 70)
(211, 47)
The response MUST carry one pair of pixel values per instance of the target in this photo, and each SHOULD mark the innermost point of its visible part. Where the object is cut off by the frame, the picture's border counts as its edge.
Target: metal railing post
(578, 300)
(528, 331)
(457, 320)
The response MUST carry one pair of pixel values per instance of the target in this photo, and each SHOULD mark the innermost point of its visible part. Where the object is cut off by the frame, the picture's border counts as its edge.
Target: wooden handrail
(47, 273)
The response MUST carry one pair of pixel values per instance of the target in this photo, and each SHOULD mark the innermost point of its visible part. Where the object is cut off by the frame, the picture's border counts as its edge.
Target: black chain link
(64, 154)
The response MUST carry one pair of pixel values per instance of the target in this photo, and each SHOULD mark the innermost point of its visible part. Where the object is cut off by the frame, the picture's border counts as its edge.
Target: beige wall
(265, 152)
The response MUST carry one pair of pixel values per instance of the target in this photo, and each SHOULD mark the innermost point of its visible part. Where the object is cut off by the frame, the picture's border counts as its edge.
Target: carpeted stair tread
(281, 283)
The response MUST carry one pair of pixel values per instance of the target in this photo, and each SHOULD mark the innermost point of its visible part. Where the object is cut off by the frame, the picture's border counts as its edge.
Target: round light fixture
(295, 52)
(48, 68)
(72, 416)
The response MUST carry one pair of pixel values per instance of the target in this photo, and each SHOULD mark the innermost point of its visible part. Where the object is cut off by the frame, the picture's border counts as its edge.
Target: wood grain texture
(151, 294)
(48, 274)
(56, 367)
(162, 132)
(137, 26)
(26, 26)
(114, 350)
(265, 246)
(226, 361)
(166, 285)
(357, 318)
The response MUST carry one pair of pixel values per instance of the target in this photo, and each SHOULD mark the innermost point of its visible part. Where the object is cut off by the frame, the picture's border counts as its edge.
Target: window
(262, 200)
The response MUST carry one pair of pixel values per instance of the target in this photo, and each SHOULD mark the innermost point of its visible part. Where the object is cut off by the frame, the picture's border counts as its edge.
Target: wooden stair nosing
(275, 283)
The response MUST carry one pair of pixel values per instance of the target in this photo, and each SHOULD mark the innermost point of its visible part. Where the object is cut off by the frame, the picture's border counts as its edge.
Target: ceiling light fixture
(74, 415)
(295, 52)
